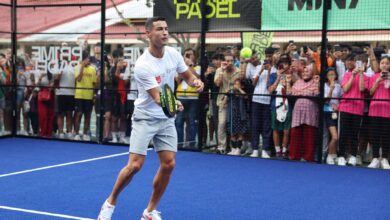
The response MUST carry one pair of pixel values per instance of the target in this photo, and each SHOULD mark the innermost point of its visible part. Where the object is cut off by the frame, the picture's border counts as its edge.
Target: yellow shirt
(87, 83)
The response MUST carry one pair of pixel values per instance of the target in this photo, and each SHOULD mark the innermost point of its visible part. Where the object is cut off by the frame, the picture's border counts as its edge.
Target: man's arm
(192, 80)
(155, 94)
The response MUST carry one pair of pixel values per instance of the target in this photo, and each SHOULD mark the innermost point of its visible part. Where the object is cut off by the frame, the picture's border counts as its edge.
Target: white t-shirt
(252, 70)
(151, 72)
(67, 80)
(261, 88)
(129, 75)
(340, 67)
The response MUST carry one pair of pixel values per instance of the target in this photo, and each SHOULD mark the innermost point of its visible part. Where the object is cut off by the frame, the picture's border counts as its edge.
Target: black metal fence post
(203, 63)
(324, 42)
(14, 56)
(102, 70)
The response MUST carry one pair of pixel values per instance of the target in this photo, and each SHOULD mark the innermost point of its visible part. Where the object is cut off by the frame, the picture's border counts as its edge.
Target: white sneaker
(385, 164)
(114, 139)
(341, 161)
(237, 152)
(264, 154)
(153, 215)
(359, 160)
(248, 151)
(86, 137)
(374, 163)
(77, 137)
(61, 135)
(125, 140)
(69, 135)
(330, 160)
(106, 211)
(352, 160)
(232, 152)
(255, 153)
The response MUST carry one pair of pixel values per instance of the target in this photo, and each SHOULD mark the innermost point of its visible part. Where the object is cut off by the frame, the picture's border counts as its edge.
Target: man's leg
(161, 180)
(125, 176)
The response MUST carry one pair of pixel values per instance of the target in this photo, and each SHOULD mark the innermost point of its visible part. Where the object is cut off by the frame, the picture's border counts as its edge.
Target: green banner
(281, 15)
(257, 41)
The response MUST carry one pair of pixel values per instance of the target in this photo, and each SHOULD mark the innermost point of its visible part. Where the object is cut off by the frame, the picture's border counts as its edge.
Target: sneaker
(255, 153)
(341, 161)
(278, 155)
(374, 163)
(329, 160)
(264, 154)
(237, 152)
(232, 152)
(106, 211)
(248, 151)
(86, 137)
(385, 164)
(61, 136)
(77, 137)
(153, 215)
(125, 140)
(352, 160)
(359, 160)
(221, 150)
(69, 135)
(114, 139)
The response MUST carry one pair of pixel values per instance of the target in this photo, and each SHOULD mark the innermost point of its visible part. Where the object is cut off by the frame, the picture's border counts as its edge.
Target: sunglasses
(387, 55)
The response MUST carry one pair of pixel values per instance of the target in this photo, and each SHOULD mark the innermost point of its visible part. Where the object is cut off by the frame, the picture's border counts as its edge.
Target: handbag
(44, 95)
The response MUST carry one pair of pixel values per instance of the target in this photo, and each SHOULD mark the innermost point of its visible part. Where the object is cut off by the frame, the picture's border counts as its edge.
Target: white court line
(63, 164)
(43, 213)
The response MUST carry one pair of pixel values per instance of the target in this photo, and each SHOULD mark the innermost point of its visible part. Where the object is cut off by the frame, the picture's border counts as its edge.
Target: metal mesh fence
(307, 90)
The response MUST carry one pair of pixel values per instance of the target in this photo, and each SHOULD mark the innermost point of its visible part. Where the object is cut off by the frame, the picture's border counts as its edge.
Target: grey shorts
(145, 129)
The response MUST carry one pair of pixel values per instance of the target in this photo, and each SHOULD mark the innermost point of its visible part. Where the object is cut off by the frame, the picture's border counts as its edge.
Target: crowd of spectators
(265, 108)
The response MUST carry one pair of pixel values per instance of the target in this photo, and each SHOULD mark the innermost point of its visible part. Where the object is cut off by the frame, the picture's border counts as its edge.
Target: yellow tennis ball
(246, 52)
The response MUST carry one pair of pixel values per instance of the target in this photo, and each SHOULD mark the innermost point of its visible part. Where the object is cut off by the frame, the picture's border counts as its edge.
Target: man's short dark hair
(149, 22)
(351, 56)
(85, 55)
(117, 53)
(218, 56)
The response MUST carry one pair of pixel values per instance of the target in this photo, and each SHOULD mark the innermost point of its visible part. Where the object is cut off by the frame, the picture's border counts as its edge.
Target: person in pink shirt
(305, 116)
(351, 109)
(379, 114)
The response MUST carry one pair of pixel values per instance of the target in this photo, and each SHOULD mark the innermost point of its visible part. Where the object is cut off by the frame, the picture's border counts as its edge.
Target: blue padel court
(42, 180)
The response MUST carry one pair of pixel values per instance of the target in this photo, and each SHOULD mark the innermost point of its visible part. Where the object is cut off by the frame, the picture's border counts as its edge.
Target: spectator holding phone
(281, 109)
(354, 84)
(332, 91)
(305, 115)
(379, 114)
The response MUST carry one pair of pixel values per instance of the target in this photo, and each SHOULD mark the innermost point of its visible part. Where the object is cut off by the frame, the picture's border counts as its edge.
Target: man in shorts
(157, 66)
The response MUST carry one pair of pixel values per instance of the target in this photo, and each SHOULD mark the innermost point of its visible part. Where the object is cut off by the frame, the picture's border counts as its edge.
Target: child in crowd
(380, 115)
(237, 119)
(280, 107)
(332, 91)
(351, 109)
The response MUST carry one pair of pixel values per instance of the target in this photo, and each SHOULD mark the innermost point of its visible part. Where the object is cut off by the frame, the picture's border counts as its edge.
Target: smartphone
(359, 64)
(385, 75)
(304, 49)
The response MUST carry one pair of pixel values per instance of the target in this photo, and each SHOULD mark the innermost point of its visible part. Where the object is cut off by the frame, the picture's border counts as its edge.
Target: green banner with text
(257, 41)
(281, 15)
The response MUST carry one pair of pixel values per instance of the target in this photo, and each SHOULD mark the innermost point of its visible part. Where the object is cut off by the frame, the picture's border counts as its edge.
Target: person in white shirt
(157, 66)
(65, 98)
(261, 109)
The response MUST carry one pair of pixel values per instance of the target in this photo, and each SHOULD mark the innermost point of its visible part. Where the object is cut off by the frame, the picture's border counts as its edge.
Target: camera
(305, 49)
